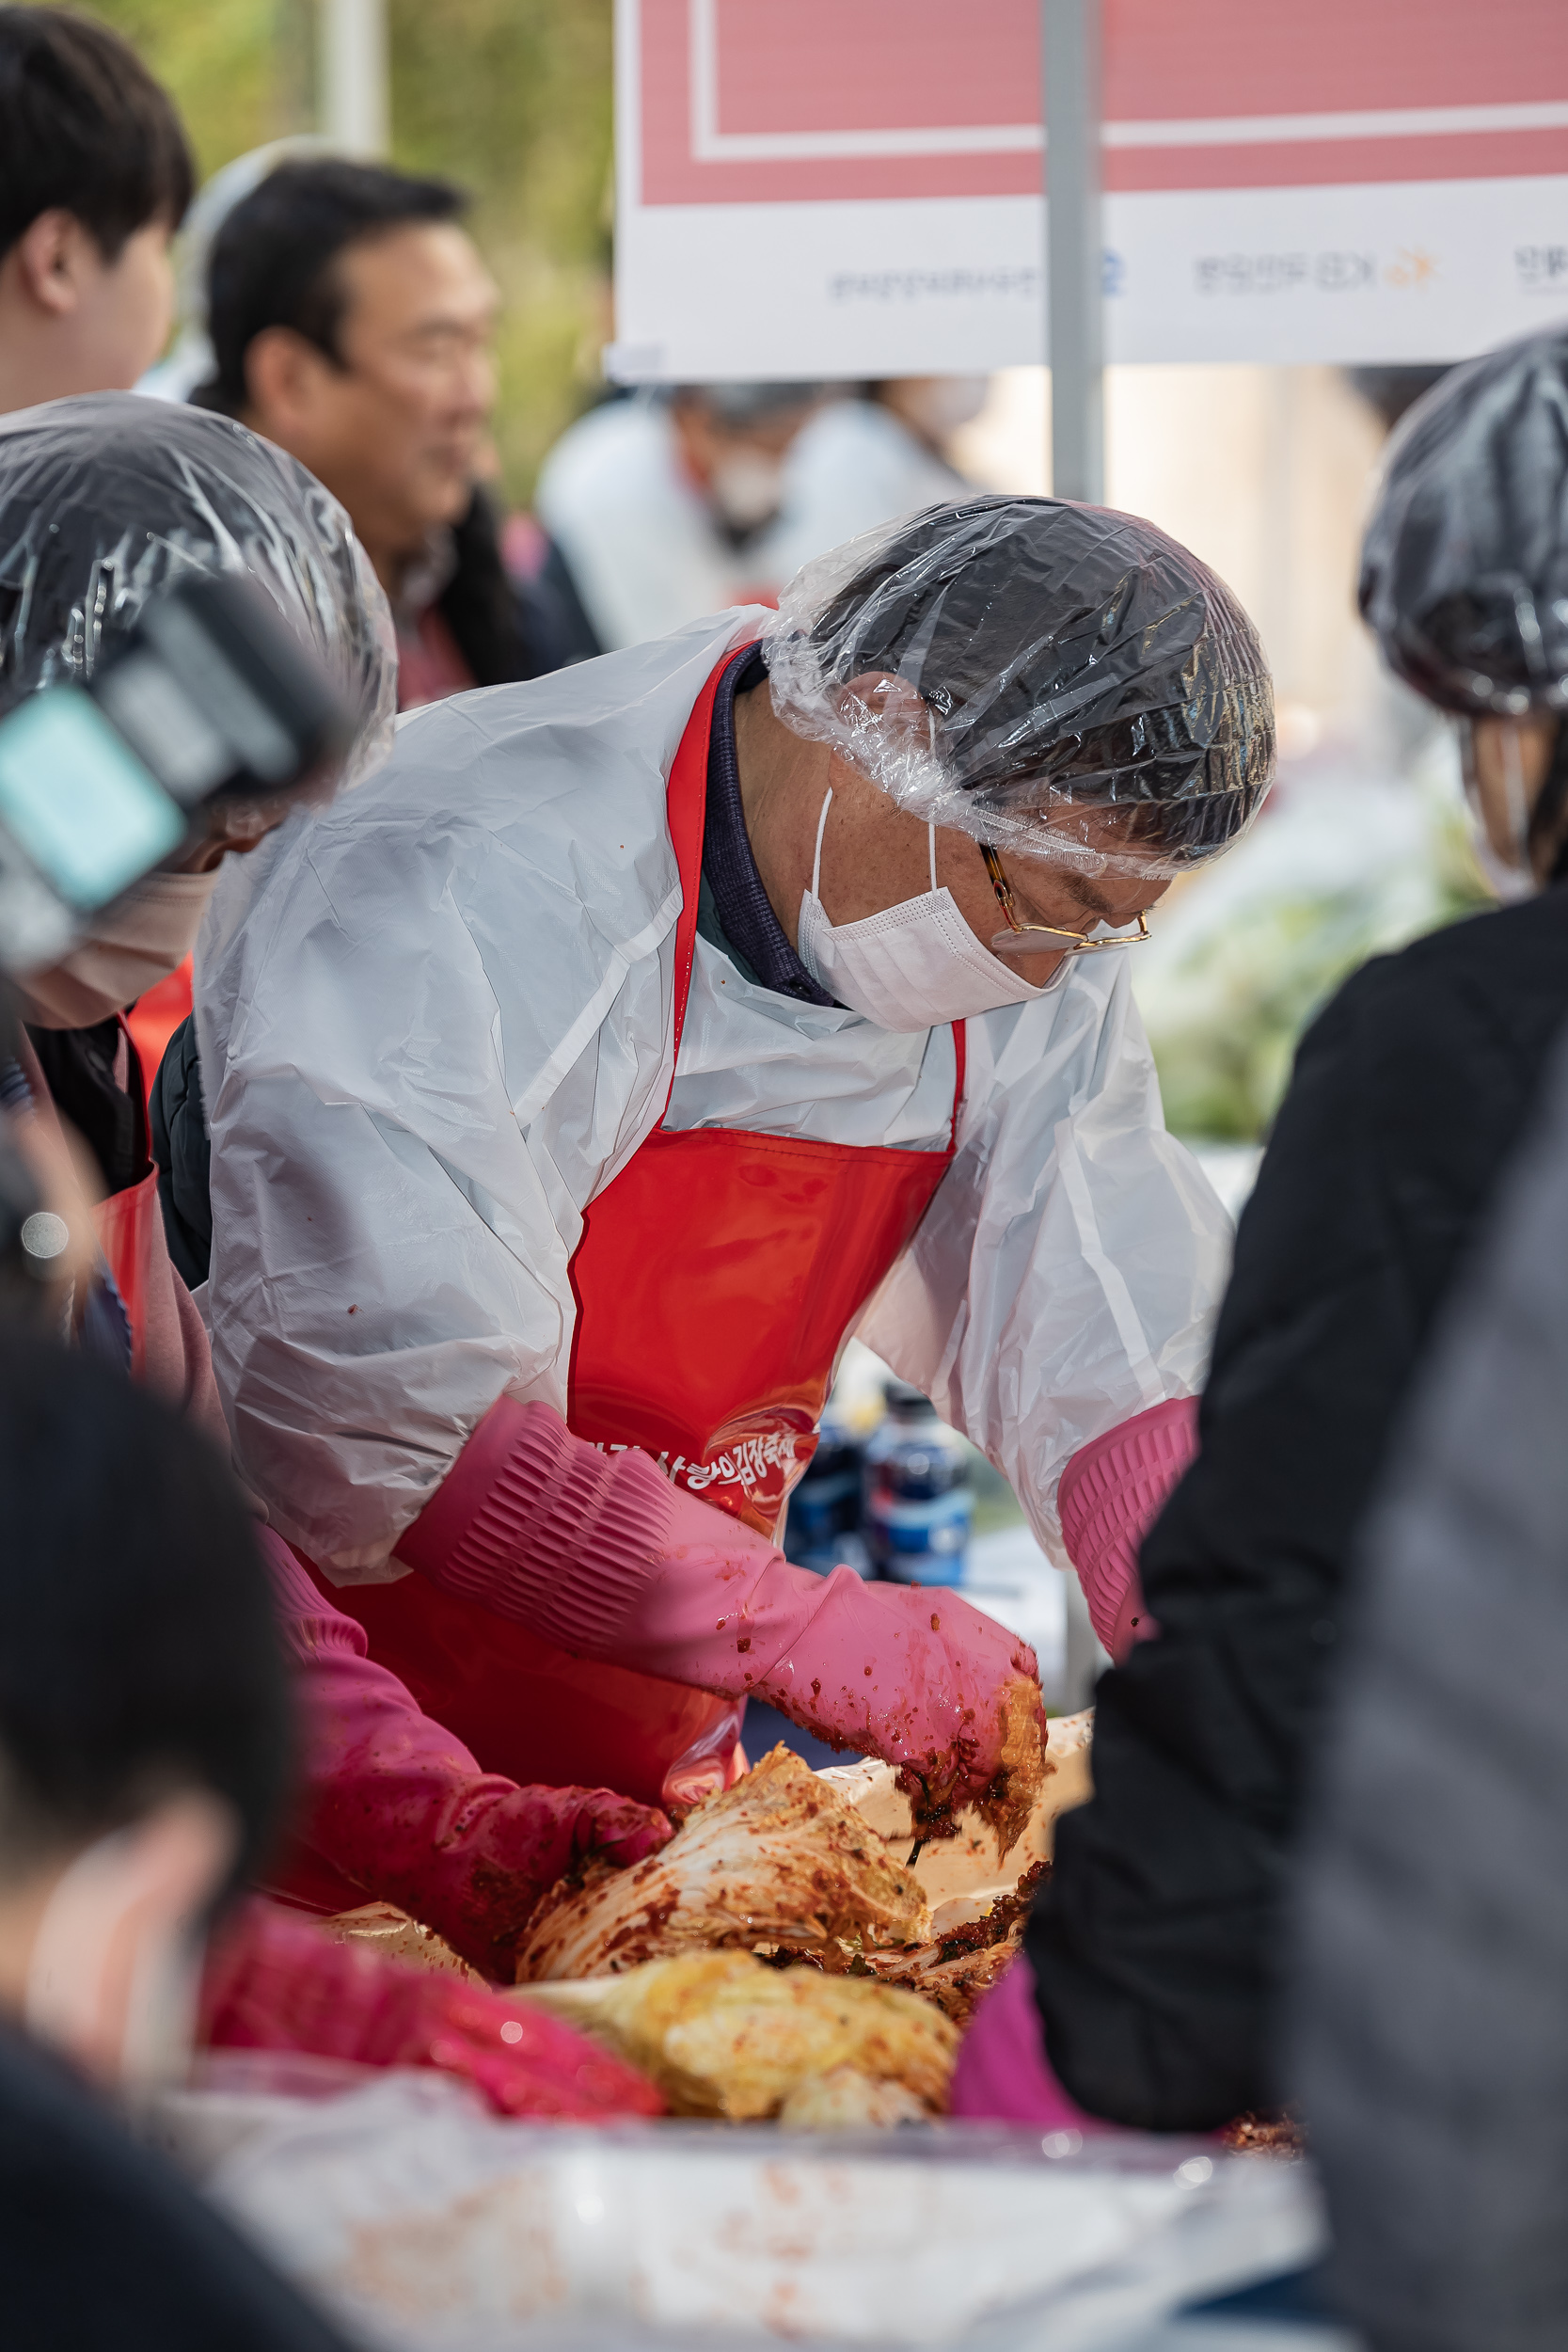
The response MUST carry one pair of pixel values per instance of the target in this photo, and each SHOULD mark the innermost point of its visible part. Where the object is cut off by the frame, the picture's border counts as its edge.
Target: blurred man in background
(664, 508)
(95, 177)
(352, 322)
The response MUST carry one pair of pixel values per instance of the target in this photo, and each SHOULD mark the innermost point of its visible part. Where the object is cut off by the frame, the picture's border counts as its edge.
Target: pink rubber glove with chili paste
(1111, 1493)
(274, 1982)
(601, 1554)
(1003, 2074)
(392, 1807)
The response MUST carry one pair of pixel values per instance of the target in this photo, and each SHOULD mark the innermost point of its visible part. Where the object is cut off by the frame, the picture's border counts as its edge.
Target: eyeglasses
(1007, 941)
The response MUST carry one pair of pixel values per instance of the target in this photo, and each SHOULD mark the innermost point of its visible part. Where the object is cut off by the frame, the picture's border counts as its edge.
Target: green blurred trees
(512, 98)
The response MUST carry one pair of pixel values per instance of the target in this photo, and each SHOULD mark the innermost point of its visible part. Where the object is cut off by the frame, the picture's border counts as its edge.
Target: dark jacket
(182, 1156)
(508, 628)
(1430, 1920)
(1156, 1943)
(102, 2244)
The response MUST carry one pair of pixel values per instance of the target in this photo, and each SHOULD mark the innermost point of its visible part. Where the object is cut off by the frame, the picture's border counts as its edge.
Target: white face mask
(746, 489)
(130, 948)
(939, 404)
(113, 1974)
(913, 966)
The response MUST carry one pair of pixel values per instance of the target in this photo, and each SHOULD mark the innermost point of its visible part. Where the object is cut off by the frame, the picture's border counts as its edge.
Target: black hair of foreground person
(138, 1659)
(84, 127)
(140, 1652)
(1430, 1924)
(101, 2242)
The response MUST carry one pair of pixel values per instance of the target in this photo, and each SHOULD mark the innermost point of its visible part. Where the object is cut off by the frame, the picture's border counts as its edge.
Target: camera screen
(82, 806)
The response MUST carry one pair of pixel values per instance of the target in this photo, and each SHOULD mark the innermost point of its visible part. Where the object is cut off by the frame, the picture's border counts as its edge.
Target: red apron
(128, 1223)
(717, 1278)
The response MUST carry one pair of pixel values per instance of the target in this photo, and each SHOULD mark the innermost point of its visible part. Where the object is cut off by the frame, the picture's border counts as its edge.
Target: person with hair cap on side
(103, 502)
(1154, 1957)
(1427, 2036)
(661, 507)
(638, 1034)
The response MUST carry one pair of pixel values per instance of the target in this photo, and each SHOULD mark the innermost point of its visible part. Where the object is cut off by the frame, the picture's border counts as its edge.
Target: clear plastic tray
(423, 2221)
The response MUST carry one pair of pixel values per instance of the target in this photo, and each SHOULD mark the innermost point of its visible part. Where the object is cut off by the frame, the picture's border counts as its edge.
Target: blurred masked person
(103, 502)
(579, 1085)
(95, 177)
(867, 460)
(663, 507)
(1156, 1953)
(352, 322)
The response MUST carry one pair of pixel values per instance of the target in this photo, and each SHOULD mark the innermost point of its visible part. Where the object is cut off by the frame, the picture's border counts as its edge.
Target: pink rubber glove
(601, 1554)
(397, 1805)
(274, 1982)
(1003, 2074)
(1112, 1492)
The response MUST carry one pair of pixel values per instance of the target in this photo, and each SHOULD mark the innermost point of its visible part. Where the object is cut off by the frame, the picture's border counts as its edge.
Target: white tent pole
(1070, 61)
(354, 108)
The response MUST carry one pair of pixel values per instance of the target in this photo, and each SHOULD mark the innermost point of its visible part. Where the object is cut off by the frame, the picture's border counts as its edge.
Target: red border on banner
(836, 67)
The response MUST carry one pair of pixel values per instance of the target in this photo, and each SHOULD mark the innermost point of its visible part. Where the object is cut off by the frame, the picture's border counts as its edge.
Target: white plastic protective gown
(437, 1018)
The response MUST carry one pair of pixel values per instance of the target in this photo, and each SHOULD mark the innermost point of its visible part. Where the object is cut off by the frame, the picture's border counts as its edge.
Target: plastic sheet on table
(422, 2220)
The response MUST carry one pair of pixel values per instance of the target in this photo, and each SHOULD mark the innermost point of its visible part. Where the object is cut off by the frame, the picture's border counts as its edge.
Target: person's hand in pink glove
(274, 1981)
(1110, 1494)
(1003, 2074)
(396, 1805)
(602, 1554)
(918, 1678)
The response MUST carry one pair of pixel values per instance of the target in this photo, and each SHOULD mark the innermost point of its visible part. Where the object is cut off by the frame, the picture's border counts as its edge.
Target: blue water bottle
(823, 1529)
(918, 1499)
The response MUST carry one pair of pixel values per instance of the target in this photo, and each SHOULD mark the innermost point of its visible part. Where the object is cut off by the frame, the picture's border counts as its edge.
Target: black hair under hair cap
(140, 1651)
(1072, 664)
(1464, 564)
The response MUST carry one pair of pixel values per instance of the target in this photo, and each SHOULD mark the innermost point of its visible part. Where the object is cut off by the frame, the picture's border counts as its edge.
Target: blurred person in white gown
(866, 460)
(665, 506)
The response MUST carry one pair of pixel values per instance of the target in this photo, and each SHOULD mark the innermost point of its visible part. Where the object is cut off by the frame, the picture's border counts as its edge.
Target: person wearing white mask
(586, 1079)
(664, 506)
(866, 460)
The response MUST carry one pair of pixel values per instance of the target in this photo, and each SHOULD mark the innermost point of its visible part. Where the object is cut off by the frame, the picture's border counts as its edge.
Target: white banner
(844, 240)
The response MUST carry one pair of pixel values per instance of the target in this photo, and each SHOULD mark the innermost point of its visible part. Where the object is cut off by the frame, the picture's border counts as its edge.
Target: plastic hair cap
(108, 497)
(1059, 680)
(1464, 565)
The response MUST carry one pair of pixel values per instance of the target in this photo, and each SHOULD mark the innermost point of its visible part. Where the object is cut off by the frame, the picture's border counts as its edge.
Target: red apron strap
(687, 808)
(959, 1063)
(125, 1235)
